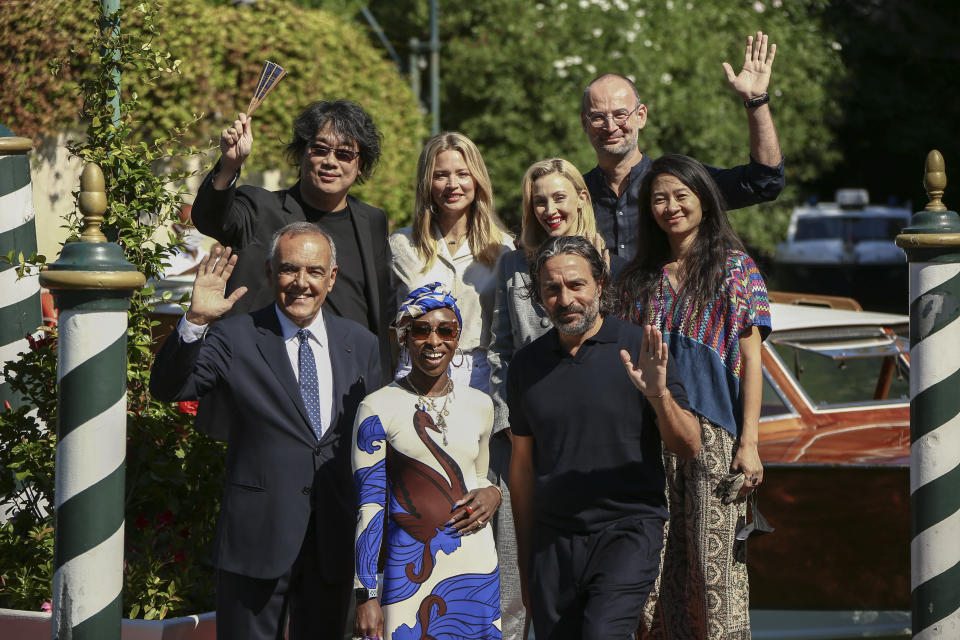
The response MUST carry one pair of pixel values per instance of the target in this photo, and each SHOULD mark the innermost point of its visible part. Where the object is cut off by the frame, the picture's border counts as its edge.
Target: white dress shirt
(190, 332)
(471, 282)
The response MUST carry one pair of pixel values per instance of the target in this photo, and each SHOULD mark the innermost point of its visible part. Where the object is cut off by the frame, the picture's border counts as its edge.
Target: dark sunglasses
(421, 330)
(343, 155)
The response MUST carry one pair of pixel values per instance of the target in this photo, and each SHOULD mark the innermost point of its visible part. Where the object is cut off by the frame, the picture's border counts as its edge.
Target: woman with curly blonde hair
(455, 239)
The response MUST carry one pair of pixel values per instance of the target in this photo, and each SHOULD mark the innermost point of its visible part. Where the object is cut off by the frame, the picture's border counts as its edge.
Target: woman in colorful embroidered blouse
(693, 281)
(455, 239)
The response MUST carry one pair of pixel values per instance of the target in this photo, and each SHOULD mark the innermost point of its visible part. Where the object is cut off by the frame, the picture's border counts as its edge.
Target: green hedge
(221, 49)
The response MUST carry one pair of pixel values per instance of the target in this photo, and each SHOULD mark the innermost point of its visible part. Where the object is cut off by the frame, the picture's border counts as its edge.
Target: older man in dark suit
(334, 146)
(289, 377)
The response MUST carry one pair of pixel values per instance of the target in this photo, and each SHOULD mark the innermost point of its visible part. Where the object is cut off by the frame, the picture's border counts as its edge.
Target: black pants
(255, 609)
(593, 586)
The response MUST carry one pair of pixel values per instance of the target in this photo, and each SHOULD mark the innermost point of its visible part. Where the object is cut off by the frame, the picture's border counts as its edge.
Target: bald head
(607, 82)
(612, 116)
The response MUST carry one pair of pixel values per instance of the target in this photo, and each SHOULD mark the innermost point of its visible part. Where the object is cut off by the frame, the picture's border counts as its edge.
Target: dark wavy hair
(350, 122)
(702, 271)
(577, 246)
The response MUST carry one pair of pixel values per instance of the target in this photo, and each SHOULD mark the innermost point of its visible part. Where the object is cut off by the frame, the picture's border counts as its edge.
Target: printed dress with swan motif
(436, 584)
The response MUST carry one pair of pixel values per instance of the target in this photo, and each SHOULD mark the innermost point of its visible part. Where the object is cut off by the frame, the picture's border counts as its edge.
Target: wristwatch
(363, 594)
(763, 98)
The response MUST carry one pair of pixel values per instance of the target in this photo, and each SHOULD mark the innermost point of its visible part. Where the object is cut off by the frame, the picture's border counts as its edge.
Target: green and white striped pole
(92, 283)
(932, 245)
(19, 298)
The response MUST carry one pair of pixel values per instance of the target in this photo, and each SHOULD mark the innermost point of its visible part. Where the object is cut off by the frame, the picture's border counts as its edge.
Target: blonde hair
(532, 233)
(485, 231)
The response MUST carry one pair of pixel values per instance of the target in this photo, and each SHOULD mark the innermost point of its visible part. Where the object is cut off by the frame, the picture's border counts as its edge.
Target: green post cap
(934, 233)
(92, 263)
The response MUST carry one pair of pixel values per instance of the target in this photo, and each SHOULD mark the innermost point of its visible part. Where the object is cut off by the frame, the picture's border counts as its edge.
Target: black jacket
(245, 219)
(277, 473)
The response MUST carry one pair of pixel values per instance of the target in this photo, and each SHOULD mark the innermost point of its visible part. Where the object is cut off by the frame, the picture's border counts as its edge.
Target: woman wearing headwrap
(420, 471)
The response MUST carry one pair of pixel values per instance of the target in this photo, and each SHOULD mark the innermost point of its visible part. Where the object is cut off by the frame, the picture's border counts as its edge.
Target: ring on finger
(469, 510)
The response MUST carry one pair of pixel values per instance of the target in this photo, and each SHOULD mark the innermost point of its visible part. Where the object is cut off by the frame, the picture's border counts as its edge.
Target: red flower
(179, 556)
(141, 522)
(46, 606)
(164, 519)
(184, 533)
(188, 406)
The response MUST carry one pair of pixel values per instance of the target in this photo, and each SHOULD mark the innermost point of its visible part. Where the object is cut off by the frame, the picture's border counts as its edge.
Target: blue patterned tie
(309, 385)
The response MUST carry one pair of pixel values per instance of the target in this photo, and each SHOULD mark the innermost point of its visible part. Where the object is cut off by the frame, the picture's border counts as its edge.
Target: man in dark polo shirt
(612, 116)
(334, 146)
(586, 477)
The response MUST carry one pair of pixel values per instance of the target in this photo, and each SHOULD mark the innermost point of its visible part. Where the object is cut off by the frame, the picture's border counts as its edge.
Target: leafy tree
(513, 74)
(901, 98)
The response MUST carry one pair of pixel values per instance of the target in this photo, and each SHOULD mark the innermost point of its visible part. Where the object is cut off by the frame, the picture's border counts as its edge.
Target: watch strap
(363, 594)
(763, 98)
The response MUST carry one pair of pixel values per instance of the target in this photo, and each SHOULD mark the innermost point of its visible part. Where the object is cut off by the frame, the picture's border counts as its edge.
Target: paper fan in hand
(270, 75)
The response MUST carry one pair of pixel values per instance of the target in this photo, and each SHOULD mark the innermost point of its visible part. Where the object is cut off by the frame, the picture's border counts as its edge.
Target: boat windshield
(841, 367)
(849, 228)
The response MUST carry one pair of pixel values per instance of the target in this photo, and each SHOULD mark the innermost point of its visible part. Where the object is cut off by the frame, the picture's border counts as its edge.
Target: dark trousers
(593, 586)
(255, 609)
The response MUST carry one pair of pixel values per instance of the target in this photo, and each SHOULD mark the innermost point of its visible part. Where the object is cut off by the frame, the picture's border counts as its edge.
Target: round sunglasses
(421, 330)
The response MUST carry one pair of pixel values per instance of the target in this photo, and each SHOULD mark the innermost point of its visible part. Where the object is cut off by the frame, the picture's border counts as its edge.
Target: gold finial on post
(934, 181)
(93, 203)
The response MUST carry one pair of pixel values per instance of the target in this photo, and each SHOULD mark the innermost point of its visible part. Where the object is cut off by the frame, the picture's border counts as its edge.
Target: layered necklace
(425, 402)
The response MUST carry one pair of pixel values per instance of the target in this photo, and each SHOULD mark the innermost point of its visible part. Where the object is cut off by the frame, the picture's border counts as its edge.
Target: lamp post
(92, 283)
(110, 22)
(932, 245)
(417, 48)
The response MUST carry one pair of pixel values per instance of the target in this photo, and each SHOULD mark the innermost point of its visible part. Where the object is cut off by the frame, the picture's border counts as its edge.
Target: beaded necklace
(424, 402)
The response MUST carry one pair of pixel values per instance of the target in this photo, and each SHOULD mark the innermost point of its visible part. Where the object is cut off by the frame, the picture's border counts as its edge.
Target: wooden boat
(835, 441)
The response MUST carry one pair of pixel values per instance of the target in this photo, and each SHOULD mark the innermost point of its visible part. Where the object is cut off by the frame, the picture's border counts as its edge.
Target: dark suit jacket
(275, 469)
(246, 218)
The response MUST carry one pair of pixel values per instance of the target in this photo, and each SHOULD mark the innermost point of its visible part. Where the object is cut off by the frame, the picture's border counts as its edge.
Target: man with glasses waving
(334, 145)
(612, 116)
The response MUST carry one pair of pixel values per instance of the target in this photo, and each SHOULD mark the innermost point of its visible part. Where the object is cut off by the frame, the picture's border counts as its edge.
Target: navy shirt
(618, 217)
(596, 447)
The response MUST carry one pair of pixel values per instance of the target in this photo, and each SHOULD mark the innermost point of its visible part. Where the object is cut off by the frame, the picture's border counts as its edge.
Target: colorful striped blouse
(704, 342)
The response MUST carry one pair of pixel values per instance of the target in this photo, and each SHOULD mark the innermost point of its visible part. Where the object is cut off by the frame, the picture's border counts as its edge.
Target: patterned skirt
(703, 591)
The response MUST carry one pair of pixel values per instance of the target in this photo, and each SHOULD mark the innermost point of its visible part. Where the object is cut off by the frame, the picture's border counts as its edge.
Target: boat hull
(842, 538)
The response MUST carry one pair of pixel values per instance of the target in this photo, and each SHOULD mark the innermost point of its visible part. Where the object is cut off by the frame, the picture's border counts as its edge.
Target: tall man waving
(612, 116)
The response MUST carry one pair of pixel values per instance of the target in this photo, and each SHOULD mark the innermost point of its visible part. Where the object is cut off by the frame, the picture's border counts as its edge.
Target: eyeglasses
(599, 120)
(343, 155)
(421, 330)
